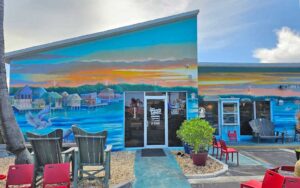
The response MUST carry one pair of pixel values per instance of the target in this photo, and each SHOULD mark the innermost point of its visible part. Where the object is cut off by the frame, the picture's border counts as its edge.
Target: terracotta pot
(200, 158)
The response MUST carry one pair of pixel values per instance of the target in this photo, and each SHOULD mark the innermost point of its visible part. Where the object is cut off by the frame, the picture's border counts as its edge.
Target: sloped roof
(248, 67)
(38, 92)
(26, 90)
(73, 97)
(104, 34)
(53, 95)
(107, 90)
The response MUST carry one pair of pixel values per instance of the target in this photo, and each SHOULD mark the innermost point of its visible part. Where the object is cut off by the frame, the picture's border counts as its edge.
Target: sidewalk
(253, 163)
(158, 172)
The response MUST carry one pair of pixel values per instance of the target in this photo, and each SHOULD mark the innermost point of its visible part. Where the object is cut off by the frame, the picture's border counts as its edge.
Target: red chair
(271, 179)
(216, 145)
(20, 175)
(232, 136)
(57, 175)
(225, 150)
(290, 182)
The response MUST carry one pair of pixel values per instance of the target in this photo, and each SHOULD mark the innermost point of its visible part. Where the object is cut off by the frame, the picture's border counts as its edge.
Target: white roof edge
(248, 65)
(102, 34)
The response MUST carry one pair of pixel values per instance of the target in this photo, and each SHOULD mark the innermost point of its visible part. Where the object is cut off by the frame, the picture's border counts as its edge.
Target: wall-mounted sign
(201, 112)
(155, 114)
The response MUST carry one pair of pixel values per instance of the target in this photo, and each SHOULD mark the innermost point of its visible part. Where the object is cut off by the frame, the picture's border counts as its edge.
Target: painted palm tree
(11, 132)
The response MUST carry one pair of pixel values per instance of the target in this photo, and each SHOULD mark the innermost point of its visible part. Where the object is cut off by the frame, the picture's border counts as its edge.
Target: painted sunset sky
(249, 81)
(164, 55)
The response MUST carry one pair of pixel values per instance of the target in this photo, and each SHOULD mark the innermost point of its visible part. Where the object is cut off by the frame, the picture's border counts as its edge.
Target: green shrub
(197, 133)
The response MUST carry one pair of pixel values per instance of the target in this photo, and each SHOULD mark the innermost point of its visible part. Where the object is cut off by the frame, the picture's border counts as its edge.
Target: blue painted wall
(279, 85)
(85, 82)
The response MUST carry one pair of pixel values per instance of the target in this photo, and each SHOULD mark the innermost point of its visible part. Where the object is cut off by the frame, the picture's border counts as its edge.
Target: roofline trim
(248, 65)
(103, 34)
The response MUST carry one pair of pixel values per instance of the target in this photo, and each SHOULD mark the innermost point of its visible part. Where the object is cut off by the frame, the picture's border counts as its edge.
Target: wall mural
(280, 85)
(84, 84)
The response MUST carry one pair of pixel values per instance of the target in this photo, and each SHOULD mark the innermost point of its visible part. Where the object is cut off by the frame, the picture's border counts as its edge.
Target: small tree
(10, 130)
(197, 133)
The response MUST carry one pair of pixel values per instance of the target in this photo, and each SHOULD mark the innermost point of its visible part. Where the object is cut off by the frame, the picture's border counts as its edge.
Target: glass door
(246, 115)
(155, 121)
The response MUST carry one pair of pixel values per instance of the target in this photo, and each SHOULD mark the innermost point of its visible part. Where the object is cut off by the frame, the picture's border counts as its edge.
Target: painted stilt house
(145, 81)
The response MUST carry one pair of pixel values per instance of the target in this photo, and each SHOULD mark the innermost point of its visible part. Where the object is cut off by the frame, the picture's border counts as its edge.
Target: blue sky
(242, 31)
(257, 29)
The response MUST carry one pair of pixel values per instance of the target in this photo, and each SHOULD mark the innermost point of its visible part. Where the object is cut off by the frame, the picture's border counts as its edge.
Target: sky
(235, 31)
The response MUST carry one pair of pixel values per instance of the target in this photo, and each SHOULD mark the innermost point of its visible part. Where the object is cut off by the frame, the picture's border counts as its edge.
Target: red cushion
(56, 173)
(252, 184)
(231, 150)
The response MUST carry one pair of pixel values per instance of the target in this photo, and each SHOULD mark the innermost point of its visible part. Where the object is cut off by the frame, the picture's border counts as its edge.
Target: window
(209, 112)
(134, 119)
(176, 115)
(262, 109)
(246, 115)
(230, 113)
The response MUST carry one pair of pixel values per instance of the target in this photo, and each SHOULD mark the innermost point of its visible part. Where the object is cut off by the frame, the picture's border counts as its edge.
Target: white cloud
(287, 49)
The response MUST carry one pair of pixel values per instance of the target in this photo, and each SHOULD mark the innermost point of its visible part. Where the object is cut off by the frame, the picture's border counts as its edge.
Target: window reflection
(263, 109)
(134, 119)
(230, 113)
(246, 115)
(209, 111)
(176, 115)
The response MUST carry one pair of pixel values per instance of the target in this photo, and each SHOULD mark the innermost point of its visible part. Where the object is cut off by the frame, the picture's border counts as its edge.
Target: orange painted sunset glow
(167, 74)
(249, 83)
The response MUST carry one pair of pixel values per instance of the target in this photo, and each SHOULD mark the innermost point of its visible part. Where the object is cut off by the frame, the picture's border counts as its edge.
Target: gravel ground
(122, 168)
(187, 166)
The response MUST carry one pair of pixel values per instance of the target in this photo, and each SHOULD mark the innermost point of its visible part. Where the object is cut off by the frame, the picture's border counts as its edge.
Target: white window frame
(237, 113)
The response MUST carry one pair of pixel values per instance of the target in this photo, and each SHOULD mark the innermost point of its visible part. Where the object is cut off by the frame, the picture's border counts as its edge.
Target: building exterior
(143, 81)
(73, 101)
(23, 98)
(89, 99)
(230, 95)
(53, 99)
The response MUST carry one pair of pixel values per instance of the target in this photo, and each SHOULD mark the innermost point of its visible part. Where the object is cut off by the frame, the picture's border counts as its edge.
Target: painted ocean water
(284, 116)
(109, 118)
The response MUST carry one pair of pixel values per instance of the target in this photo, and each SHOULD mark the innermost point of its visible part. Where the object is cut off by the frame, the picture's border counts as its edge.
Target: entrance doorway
(155, 121)
(152, 118)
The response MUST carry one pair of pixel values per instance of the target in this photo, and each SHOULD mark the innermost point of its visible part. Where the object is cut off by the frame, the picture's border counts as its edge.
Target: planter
(297, 151)
(200, 158)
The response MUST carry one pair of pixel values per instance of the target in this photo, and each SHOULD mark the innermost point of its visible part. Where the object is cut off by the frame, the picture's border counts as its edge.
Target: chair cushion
(231, 150)
(252, 183)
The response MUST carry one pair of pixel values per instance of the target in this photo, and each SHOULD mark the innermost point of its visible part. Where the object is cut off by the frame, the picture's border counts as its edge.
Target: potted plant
(198, 134)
